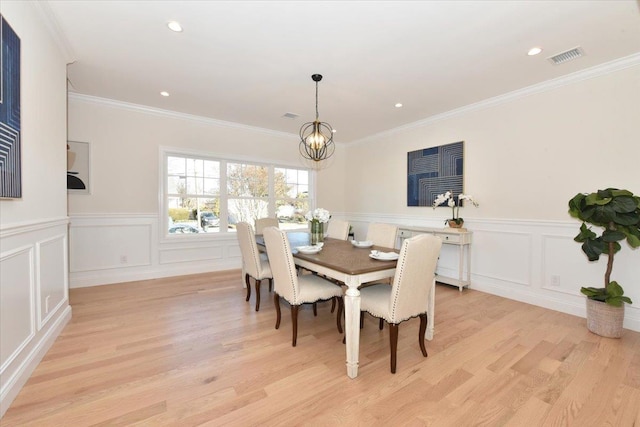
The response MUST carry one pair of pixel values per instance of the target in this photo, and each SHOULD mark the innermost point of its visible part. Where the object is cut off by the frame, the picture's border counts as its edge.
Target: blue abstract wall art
(10, 167)
(433, 171)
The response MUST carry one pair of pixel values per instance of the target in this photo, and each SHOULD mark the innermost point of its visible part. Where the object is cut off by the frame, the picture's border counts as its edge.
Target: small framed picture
(78, 167)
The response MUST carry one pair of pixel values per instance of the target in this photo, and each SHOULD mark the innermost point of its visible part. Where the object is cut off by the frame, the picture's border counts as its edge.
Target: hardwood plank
(189, 351)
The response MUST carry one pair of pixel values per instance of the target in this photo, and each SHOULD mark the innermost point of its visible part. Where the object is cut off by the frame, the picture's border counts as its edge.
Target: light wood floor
(190, 351)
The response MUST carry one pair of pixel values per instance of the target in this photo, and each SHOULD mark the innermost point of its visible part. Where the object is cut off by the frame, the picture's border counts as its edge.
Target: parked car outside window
(182, 229)
(209, 219)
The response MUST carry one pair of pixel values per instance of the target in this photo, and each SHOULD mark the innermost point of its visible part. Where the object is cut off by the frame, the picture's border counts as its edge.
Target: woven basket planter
(604, 319)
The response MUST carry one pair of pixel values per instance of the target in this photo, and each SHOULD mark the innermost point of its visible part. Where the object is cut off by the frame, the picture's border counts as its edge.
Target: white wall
(526, 154)
(120, 216)
(34, 303)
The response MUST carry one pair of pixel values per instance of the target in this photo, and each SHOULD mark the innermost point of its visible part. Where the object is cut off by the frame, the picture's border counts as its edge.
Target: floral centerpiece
(317, 218)
(455, 221)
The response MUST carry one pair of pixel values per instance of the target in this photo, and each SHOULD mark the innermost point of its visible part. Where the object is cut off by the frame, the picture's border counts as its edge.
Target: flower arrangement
(317, 218)
(319, 215)
(450, 199)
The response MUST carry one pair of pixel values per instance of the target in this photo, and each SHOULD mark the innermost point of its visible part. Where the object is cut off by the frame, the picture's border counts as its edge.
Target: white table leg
(352, 329)
(431, 314)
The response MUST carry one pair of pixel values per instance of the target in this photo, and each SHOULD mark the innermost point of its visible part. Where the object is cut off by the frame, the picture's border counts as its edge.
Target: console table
(449, 236)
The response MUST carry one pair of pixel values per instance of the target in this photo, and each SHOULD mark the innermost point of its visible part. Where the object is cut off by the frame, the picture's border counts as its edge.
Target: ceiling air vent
(569, 55)
(291, 115)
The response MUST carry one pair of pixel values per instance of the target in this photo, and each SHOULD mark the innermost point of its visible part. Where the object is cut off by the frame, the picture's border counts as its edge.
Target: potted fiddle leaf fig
(617, 214)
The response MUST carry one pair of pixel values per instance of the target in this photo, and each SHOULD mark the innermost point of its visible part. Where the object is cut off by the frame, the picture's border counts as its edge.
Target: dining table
(346, 263)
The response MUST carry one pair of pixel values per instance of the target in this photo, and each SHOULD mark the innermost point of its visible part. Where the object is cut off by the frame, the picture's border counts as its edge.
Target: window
(291, 188)
(208, 195)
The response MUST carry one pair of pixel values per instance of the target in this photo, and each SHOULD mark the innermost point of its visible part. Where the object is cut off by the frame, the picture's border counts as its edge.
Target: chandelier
(316, 137)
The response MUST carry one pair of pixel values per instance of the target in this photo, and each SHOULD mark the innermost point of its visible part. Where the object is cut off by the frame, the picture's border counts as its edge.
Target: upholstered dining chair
(253, 265)
(262, 223)
(408, 295)
(382, 234)
(338, 229)
(296, 290)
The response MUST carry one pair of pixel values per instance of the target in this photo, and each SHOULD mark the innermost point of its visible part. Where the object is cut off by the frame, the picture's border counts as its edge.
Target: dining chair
(262, 223)
(408, 296)
(296, 290)
(253, 265)
(338, 229)
(382, 234)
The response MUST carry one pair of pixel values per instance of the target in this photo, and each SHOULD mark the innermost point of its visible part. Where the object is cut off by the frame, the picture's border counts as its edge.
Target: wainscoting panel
(52, 288)
(17, 302)
(502, 255)
(34, 304)
(108, 246)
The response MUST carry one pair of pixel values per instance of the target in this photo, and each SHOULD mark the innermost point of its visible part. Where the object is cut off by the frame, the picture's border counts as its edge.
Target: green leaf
(614, 289)
(593, 292)
(616, 193)
(593, 249)
(585, 234)
(614, 301)
(629, 218)
(626, 299)
(634, 241)
(609, 236)
(624, 204)
(597, 199)
(576, 205)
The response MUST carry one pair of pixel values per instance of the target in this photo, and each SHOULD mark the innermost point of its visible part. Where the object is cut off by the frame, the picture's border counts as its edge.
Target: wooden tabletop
(339, 255)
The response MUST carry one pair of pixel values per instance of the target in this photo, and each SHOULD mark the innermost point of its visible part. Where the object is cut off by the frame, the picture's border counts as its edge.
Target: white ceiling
(250, 62)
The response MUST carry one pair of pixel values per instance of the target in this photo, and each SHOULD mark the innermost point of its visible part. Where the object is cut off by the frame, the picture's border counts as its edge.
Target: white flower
(451, 202)
(441, 198)
(318, 214)
(468, 197)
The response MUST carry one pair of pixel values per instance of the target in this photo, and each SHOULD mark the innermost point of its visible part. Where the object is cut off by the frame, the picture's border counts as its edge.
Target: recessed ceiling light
(534, 51)
(398, 105)
(174, 26)
(334, 130)
(164, 93)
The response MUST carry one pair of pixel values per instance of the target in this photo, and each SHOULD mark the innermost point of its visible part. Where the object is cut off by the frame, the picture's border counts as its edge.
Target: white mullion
(271, 201)
(224, 198)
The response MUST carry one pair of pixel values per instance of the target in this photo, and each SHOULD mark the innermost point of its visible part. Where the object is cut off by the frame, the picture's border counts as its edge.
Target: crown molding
(589, 73)
(51, 23)
(597, 71)
(172, 114)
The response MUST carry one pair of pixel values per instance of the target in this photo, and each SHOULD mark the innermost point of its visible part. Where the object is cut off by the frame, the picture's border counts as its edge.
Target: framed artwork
(78, 167)
(10, 158)
(433, 171)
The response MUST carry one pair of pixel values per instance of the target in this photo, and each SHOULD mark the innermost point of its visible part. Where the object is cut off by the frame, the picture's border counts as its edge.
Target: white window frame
(224, 232)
